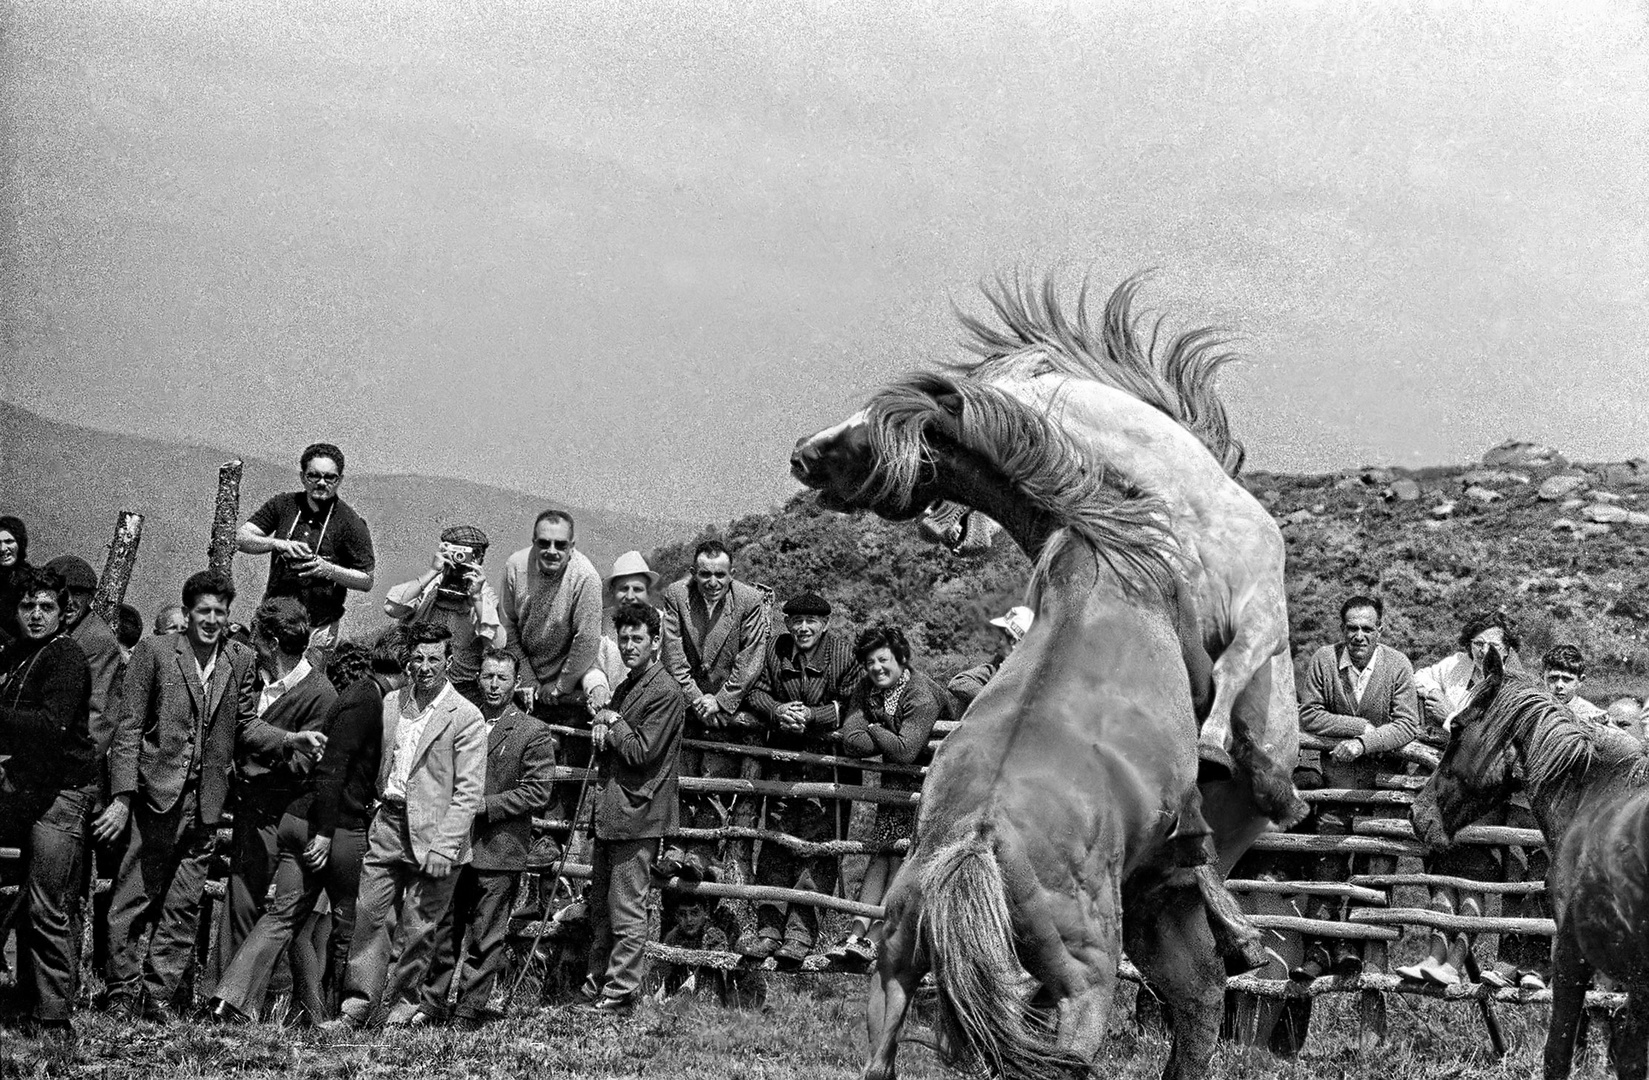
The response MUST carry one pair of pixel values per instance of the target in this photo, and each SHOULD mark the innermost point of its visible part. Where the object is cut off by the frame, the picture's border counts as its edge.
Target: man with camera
(319, 547)
(454, 593)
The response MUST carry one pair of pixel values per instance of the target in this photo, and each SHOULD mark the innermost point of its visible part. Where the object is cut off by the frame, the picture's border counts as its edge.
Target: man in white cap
(631, 582)
(966, 685)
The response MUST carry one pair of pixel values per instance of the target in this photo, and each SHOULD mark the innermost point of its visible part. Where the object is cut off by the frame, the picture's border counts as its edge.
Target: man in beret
(804, 686)
(454, 593)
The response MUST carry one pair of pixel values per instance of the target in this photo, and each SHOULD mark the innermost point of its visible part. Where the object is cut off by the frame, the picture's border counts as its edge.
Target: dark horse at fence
(1589, 787)
(1061, 823)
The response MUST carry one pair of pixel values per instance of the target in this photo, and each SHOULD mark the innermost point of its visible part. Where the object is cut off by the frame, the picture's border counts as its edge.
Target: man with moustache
(319, 547)
(551, 607)
(432, 782)
(715, 642)
(520, 777)
(807, 680)
(190, 703)
(637, 749)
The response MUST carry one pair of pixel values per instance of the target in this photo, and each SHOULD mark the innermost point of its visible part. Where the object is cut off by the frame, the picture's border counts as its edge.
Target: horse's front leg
(1630, 1041)
(1571, 974)
(892, 987)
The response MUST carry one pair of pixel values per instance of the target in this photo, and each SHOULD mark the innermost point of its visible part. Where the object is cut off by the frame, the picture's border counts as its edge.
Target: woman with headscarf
(45, 798)
(14, 559)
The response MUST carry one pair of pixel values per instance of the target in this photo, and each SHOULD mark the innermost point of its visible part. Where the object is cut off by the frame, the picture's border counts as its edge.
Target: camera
(455, 578)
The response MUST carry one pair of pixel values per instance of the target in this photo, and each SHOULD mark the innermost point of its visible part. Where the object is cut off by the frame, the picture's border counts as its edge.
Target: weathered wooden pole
(220, 554)
(117, 571)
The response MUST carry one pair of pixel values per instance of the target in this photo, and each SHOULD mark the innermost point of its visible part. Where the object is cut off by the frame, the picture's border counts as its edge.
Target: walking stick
(560, 864)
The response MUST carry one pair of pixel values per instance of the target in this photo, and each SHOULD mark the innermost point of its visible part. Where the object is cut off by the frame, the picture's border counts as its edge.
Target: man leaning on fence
(190, 703)
(807, 681)
(1362, 693)
(715, 643)
(551, 607)
(637, 746)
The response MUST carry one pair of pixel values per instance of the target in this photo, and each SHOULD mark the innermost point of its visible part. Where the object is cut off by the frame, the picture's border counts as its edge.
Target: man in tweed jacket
(1361, 692)
(715, 643)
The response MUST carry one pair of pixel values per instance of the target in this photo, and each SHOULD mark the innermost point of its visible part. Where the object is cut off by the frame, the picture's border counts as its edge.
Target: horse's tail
(967, 933)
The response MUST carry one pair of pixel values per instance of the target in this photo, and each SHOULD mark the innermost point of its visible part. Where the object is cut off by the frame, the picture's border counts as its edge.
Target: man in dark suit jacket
(190, 701)
(293, 696)
(520, 779)
(638, 749)
(715, 643)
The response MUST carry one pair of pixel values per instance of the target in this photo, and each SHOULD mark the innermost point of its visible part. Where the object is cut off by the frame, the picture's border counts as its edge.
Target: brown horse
(1589, 786)
(1061, 823)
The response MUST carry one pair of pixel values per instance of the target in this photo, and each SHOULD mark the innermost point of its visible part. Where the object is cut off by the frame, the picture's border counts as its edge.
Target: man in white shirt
(432, 781)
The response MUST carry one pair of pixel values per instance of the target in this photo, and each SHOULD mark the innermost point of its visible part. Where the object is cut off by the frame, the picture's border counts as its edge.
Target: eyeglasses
(323, 477)
(559, 545)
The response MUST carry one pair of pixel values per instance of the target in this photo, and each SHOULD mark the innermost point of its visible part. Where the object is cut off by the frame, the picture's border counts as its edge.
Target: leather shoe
(1348, 962)
(792, 953)
(757, 946)
(1314, 966)
(156, 1013)
(615, 1007)
(224, 1013)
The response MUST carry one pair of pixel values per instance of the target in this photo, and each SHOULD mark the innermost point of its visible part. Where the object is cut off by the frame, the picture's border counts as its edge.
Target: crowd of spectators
(382, 793)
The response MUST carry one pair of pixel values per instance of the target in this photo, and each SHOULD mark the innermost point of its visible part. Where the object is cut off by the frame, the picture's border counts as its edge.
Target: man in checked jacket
(805, 684)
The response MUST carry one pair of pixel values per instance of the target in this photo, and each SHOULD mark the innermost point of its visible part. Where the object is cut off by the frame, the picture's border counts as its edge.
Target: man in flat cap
(98, 642)
(805, 684)
(454, 593)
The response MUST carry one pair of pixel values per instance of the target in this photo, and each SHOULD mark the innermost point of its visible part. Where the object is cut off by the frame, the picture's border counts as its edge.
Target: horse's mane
(1559, 747)
(1125, 527)
(1038, 337)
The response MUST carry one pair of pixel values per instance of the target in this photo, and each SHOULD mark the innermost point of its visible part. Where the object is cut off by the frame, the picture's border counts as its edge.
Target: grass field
(808, 1029)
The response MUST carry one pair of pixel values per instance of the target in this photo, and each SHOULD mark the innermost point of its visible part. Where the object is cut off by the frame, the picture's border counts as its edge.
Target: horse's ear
(1494, 666)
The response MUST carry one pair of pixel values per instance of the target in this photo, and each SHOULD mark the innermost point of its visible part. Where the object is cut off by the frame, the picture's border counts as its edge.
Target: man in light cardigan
(1361, 692)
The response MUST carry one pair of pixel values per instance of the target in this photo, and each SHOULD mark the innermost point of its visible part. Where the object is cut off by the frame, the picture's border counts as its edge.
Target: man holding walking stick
(636, 750)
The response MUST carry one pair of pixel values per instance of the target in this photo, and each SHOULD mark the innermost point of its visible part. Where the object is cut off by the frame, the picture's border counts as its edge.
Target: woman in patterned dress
(891, 716)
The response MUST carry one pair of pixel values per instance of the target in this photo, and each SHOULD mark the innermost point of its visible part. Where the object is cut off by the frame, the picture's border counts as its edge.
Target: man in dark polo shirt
(318, 547)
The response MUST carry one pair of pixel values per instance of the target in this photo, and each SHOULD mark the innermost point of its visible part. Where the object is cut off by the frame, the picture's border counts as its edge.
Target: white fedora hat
(1016, 622)
(629, 564)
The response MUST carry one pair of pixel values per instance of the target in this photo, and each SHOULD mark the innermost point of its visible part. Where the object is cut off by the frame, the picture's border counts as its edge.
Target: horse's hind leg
(1571, 974)
(1629, 1044)
(892, 988)
(1167, 936)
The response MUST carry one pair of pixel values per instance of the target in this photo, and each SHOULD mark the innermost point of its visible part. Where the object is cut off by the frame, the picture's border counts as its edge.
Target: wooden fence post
(220, 554)
(117, 571)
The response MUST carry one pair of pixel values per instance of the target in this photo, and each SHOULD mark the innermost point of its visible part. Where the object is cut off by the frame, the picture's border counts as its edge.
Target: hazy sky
(624, 254)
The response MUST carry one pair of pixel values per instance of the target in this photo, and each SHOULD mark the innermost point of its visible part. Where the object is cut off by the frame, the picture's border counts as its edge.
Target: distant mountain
(68, 484)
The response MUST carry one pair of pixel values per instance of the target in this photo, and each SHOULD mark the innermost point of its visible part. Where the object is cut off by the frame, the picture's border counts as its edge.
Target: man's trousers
(480, 909)
(392, 881)
(156, 907)
(619, 875)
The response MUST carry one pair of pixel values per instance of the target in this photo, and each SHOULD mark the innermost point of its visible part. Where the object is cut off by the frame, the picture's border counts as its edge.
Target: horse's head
(883, 458)
(1479, 767)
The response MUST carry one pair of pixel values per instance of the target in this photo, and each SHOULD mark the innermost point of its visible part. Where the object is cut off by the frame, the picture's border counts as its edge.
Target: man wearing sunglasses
(551, 608)
(319, 548)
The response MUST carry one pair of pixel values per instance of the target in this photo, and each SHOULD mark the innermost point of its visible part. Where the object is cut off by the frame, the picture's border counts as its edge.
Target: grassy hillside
(68, 483)
(1497, 543)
